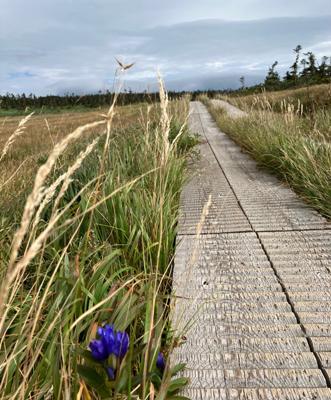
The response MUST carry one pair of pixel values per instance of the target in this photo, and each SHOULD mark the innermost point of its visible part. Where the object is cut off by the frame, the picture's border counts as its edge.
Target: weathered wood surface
(254, 288)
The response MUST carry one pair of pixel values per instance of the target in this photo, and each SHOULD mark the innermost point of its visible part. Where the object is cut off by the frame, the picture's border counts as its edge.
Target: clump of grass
(95, 246)
(288, 145)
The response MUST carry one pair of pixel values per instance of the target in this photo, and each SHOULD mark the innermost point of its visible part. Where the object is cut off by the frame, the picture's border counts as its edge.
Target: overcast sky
(55, 46)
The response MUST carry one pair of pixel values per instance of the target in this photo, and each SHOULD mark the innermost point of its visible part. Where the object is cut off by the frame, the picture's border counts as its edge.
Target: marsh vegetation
(89, 211)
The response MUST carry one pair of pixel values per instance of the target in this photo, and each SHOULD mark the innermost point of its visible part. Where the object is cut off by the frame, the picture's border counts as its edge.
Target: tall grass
(290, 144)
(94, 246)
(36, 138)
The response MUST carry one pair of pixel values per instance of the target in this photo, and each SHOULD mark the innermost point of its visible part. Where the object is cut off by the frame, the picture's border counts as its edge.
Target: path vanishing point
(256, 281)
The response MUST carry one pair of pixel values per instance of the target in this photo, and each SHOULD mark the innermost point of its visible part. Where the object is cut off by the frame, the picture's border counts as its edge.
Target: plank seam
(248, 231)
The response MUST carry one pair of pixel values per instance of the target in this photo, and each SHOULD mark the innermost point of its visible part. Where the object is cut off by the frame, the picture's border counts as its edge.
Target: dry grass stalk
(32, 203)
(71, 170)
(18, 132)
(14, 173)
(65, 179)
(164, 121)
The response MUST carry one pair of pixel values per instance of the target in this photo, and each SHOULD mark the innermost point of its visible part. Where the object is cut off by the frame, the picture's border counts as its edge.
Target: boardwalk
(257, 281)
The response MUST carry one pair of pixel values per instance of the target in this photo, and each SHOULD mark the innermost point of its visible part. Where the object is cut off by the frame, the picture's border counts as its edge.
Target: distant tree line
(100, 99)
(305, 70)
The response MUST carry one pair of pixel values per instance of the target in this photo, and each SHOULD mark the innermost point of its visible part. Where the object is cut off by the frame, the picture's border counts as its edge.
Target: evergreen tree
(323, 69)
(242, 82)
(272, 80)
(294, 74)
(309, 66)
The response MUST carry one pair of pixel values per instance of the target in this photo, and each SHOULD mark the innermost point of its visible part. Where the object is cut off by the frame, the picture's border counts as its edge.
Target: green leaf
(177, 368)
(94, 379)
(177, 384)
(156, 379)
(122, 382)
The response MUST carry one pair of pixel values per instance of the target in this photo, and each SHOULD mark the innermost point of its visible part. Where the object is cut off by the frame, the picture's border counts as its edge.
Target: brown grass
(42, 132)
(312, 98)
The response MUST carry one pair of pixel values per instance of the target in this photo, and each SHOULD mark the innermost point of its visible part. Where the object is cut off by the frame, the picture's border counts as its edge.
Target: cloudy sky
(55, 46)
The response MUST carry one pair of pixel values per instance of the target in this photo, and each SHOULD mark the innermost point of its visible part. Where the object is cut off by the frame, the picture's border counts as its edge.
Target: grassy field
(312, 99)
(289, 133)
(87, 236)
(43, 111)
(30, 150)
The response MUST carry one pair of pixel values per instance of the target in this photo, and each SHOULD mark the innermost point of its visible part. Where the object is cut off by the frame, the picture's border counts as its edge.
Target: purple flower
(109, 342)
(121, 344)
(107, 336)
(160, 361)
(111, 373)
(98, 350)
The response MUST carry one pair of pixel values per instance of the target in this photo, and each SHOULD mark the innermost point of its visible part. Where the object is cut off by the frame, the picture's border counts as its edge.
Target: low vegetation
(86, 253)
(290, 138)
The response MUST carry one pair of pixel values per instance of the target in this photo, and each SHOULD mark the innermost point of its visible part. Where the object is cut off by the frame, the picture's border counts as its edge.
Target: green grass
(106, 258)
(295, 147)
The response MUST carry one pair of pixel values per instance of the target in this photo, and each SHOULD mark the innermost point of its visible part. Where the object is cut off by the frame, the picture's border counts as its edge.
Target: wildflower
(160, 361)
(109, 342)
(98, 350)
(107, 336)
(121, 344)
(111, 373)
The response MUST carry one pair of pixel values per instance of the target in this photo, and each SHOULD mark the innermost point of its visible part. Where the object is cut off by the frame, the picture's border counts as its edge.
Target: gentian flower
(121, 344)
(107, 336)
(108, 343)
(98, 350)
(160, 361)
(111, 373)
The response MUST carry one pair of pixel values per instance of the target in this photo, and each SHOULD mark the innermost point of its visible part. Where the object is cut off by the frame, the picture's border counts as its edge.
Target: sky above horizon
(53, 47)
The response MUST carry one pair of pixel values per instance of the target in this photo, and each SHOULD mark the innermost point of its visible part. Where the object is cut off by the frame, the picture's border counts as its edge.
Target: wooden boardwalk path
(256, 281)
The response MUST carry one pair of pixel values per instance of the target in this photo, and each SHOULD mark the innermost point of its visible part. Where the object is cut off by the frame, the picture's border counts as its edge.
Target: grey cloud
(69, 45)
(212, 38)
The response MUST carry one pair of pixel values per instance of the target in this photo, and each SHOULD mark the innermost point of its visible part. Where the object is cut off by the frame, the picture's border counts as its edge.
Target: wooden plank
(218, 360)
(253, 378)
(312, 306)
(251, 297)
(321, 344)
(318, 330)
(247, 330)
(246, 318)
(246, 345)
(310, 296)
(315, 317)
(259, 394)
(325, 358)
(281, 394)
